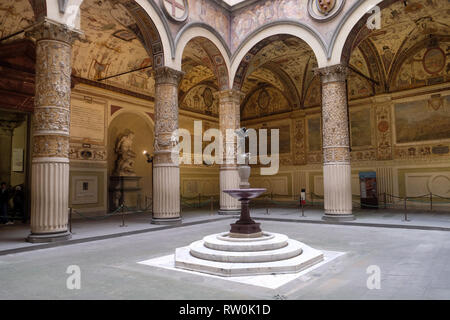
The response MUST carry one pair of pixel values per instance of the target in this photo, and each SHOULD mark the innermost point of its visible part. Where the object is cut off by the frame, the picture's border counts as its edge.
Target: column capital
(51, 30)
(335, 73)
(229, 96)
(167, 75)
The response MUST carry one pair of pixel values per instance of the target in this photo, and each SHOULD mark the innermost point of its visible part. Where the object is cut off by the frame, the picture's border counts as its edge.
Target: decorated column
(229, 118)
(166, 170)
(51, 121)
(336, 143)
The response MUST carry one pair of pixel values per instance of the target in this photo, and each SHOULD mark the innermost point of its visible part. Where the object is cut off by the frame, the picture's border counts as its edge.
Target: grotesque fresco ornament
(324, 10)
(175, 9)
(434, 60)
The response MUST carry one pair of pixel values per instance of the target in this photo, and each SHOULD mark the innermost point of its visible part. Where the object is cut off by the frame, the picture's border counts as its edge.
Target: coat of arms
(325, 6)
(175, 9)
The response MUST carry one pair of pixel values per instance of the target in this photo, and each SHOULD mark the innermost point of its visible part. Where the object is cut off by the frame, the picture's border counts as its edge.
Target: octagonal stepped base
(221, 255)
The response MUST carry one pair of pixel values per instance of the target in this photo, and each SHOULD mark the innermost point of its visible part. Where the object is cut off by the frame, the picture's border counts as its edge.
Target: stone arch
(214, 46)
(258, 39)
(351, 30)
(153, 27)
(39, 8)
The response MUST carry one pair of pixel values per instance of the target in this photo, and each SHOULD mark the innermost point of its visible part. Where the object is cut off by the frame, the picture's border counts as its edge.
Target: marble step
(292, 249)
(308, 258)
(269, 241)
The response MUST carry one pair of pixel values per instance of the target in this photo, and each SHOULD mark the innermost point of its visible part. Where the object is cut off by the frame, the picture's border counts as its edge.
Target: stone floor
(414, 263)
(12, 237)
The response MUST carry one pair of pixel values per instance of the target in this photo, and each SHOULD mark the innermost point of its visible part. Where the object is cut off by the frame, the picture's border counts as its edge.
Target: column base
(48, 237)
(166, 221)
(232, 212)
(338, 217)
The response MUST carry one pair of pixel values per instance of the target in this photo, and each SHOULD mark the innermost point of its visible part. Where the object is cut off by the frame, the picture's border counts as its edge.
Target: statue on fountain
(245, 227)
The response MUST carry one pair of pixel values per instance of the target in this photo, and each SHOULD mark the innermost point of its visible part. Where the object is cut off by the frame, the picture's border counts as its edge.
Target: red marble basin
(245, 193)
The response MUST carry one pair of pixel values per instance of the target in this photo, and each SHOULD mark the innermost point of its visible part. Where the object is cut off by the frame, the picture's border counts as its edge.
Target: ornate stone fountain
(246, 249)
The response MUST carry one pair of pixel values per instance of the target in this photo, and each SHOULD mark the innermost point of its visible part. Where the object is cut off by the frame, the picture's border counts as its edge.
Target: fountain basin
(242, 194)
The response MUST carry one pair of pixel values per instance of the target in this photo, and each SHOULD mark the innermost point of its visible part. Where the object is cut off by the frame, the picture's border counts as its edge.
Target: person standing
(3, 203)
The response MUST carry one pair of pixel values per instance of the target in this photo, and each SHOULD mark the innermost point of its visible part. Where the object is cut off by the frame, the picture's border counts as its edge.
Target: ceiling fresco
(111, 46)
(15, 15)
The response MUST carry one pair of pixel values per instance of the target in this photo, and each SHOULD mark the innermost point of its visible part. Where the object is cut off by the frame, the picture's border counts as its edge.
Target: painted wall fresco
(427, 67)
(360, 127)
(250, 18)
(15, 15)
(313, 93)
(201, 99)
(314, 134)
(210, 13)
(265, 101)
(422, 120)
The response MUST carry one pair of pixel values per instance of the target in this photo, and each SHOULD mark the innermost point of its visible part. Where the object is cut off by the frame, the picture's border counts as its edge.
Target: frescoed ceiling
(405, 30)
(284, 64)
(199, 82)
(15, 15)
(111, 46)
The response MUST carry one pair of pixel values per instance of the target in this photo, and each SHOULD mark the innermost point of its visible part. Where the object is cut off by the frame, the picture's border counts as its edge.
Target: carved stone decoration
(299, 142)
(51, 124)
(229, 119)
(335, 144)
(324, 10)
(126, 157)
(176, 10)
(166, 171)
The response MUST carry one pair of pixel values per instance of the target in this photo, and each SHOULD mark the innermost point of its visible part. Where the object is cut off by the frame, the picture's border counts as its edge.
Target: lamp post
(150, 160)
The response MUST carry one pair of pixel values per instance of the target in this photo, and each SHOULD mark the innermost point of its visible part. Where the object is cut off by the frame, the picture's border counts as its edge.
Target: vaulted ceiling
(411, 49)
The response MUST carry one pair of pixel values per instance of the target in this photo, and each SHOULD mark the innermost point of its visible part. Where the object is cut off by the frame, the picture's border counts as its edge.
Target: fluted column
(166, 170)
(336, 144)
(229, 118)
(51, 122)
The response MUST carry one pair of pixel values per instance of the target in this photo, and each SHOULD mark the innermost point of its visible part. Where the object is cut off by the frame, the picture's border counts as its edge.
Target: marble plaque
(87, 121)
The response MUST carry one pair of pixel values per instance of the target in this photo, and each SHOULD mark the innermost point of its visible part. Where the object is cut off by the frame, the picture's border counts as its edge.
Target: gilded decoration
(166, 111)
(335, 134)
(52, 100)
(50, 146)
(51, 119)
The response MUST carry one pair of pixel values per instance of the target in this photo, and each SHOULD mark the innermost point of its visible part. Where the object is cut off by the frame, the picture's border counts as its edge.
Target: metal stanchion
(384, 198)
(431, 201)
(70, 220)
(212, 205)
(199, 200)
(406, 213)
(123, 216)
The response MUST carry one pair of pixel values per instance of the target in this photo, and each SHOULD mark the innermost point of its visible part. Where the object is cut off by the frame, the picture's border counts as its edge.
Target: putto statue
(125, 155)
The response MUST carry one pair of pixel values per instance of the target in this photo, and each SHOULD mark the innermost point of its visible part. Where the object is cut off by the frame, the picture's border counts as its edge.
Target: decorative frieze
(384, 132)
(299, 144)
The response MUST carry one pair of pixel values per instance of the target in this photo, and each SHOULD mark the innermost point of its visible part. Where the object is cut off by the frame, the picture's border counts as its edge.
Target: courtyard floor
(414, 261)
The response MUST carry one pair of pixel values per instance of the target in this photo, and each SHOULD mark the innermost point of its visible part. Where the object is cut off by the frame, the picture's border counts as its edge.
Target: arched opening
(276, 76)
(399, 89)
(206, 73)
(135, 129)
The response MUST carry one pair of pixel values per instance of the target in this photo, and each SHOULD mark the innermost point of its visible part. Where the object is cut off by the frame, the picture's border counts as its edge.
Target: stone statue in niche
(125, 155)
